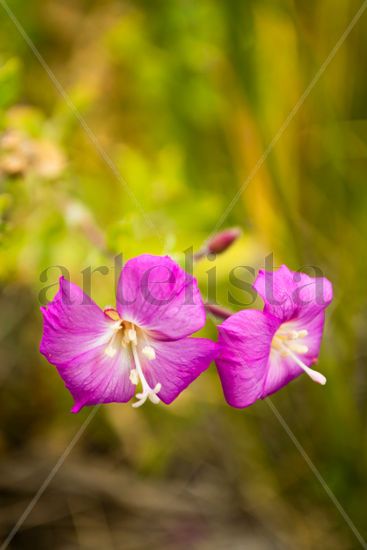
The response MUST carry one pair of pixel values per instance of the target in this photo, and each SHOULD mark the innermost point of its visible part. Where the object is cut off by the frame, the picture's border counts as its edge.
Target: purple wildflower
(103, 356)
(262, 351)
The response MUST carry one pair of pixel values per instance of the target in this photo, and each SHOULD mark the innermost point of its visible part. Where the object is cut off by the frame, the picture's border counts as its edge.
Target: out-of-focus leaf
(10, 81)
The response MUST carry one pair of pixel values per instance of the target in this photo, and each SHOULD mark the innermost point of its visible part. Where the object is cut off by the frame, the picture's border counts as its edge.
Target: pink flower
(262, 351)
(103, 356)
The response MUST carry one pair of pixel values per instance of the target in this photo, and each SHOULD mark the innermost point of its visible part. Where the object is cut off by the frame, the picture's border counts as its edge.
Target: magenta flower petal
(93, 378)
(156, 294)
(288, 294)
(245, 342)
(177, 363)
(73, 324)
(75, 338)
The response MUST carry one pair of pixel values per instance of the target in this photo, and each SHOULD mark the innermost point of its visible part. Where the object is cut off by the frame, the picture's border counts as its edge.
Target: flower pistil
(125, 335)
(289, 343)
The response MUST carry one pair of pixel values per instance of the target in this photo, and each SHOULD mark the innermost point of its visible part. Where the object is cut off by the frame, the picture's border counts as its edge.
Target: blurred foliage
(170, 105)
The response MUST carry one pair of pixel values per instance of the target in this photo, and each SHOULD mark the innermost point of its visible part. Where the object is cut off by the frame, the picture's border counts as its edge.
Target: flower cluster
(144, 345)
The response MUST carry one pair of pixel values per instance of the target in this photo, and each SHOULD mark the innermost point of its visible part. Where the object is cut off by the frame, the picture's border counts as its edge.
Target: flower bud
(223, 240)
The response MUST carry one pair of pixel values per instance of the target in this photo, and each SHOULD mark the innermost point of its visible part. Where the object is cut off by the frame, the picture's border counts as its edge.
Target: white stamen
(154, 398)
(116, 326)
(292, 334)
(123, 334)
(149, 352)
(134, 378)
(298, 348)
(131, 334)
(112, 342)
(287, 343)
(313, 374)
(147, 391)
(110, 351)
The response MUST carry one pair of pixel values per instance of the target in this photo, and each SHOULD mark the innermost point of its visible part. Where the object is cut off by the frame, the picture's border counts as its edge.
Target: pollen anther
(298, 348)
(131, 335)
(134, 378)
(149, 352)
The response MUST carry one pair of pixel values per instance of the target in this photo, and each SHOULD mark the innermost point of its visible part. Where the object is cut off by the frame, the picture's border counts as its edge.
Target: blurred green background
(183, 97)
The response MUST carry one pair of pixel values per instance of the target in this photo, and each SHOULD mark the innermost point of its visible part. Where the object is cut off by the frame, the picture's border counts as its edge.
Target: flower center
(126, 335)
(290, 343)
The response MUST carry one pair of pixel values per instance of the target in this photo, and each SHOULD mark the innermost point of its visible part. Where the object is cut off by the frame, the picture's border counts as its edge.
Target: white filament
(147, 391)
(117, 338)
(313, 374)
(287, 343)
